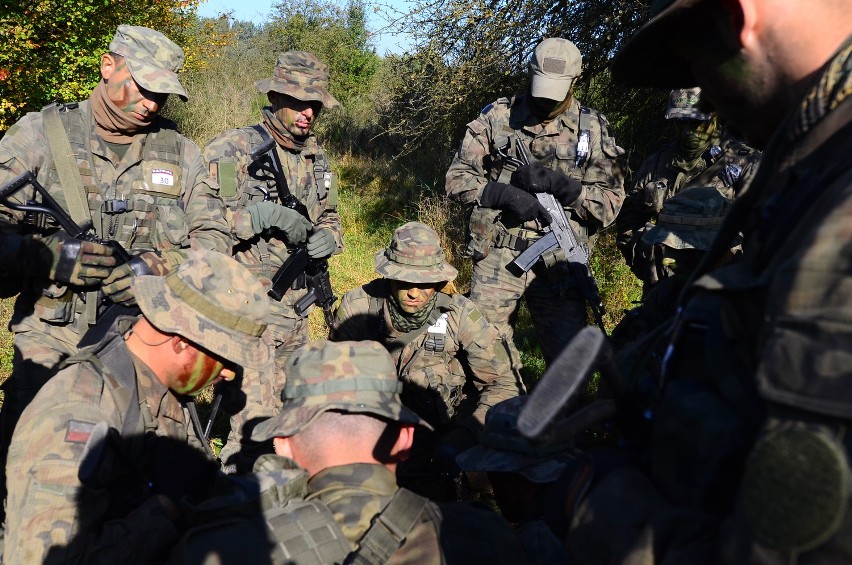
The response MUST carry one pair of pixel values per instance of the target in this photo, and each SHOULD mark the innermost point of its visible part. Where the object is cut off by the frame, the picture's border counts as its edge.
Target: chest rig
(127, 210)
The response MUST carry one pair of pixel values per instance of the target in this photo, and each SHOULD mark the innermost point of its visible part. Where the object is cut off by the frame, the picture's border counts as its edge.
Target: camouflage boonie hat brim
(152, 58)
(554, 65)
(356, 377)
(502, 448)
(646, 59)
(683, 105)
(414, 255)
(212, 301)
(301, 75)
(690, 219)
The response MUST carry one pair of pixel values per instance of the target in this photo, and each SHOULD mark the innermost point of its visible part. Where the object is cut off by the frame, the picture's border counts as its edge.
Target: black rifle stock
(299, 263)
(50, 207)
(561, 234)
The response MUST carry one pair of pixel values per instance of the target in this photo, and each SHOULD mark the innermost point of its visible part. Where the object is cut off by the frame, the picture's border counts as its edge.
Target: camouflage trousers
(557, 308)
(285, 332)
(36, 359)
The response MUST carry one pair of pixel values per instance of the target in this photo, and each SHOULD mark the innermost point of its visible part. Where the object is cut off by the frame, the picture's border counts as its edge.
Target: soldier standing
(112, 161)
(343, 423)
(574, 157)
(451, 360)
(702, 154)
(200, 323)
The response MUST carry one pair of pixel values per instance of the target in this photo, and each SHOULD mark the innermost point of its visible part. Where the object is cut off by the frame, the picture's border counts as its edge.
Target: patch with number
(440, 325)
(78, 432)
(162, 177)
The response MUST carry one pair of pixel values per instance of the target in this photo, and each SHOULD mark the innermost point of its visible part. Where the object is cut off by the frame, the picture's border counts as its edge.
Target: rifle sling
(389, 529)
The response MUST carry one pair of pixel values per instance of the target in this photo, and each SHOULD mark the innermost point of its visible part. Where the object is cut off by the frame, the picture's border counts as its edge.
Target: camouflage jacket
(726, 166)
(50, 515)
(553, 145)
(764, 350)
(172, 203)
(309, 179)
(436, 362)
(446, 533)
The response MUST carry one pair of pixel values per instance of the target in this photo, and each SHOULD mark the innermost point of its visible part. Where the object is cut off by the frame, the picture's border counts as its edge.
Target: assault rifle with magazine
(299, 264)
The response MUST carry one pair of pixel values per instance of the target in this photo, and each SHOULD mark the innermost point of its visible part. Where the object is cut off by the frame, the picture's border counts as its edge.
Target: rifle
(559, 234)
(315, 271)
(50, 207)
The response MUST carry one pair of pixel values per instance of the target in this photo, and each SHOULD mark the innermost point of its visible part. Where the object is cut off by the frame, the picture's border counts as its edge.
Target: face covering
(113, 125)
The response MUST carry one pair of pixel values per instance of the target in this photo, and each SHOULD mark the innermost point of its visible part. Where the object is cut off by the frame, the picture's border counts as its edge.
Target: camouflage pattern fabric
(49, 514)
(212, 301)
(558, 309)
(356, 377)
(414, 255)
(434, 379)
(153, 59)
(659, 179)
(301, 75)
(684, 104)
(503, 449)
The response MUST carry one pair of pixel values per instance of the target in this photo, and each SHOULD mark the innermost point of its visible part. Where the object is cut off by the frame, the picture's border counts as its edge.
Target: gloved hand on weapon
(271, 216)
(511, 198)
(535, 178)
(58, 257)
(117, 285)
(321, 244)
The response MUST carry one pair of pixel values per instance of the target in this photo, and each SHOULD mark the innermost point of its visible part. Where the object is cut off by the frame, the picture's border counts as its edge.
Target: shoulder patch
(78, 432)
(487, 109)
(475, 315)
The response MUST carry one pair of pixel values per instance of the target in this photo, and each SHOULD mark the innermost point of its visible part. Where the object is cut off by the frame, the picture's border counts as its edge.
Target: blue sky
(257, 11)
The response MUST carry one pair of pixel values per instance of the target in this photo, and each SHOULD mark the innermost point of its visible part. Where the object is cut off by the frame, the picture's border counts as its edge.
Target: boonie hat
(414, 255)
(301, 75)
(152, 59)
(502, 448)
(554, 65)
(213, 301)
(357, 377)
(684, 105)
(690, 219)
(646, 59)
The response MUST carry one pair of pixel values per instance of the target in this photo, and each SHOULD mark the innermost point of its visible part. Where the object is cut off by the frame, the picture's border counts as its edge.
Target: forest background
(401, 117)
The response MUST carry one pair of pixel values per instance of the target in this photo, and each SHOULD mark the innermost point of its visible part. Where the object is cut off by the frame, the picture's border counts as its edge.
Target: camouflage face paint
(128, 96)
(412, 297)
(204, 369)
(296, 116)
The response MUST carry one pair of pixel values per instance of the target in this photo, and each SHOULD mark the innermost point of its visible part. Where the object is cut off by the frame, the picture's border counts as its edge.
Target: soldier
(200, 323)
(266, 229)
(529, 479)
(750, 427)
(702, 154)
(574, 157)
(344, 424)
(443, 347)
(113, 161)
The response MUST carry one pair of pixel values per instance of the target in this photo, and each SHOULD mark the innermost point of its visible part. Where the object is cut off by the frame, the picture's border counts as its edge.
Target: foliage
(52, 48)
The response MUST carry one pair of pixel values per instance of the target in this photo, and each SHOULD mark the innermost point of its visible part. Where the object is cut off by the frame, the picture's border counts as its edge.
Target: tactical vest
(141, 212)
(424, 386)
(484, 226)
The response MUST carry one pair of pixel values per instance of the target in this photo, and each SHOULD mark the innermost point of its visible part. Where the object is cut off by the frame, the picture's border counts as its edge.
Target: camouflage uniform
(309, 179)
(455, 347)
(341, 503)
(726, 165)
(750, 429)
(209, 300)
(158, 197)
(495, 239)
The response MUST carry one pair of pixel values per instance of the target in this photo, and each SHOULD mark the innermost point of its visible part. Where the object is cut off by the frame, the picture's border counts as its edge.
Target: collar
(369, 477)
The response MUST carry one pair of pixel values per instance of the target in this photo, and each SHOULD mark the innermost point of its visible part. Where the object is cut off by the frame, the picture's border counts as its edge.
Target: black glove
(535, 178)
(510, 198)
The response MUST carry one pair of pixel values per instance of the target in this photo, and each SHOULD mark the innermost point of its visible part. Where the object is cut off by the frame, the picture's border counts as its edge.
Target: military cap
(152, 58)
(301, 75)
(689, 219)
(554, 65)
(414, 255)
(212, 301)
(646, 59)
(503, 449)
(357, 377)
(684, 104)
